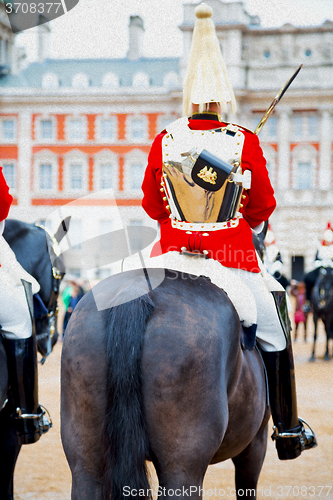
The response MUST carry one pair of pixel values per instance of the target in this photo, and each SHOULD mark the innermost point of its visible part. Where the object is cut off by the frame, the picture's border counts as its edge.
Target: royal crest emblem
(208, 175)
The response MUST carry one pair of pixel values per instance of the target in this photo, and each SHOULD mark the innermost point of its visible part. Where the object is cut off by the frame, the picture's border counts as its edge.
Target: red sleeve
(5, 198)
(152, 201)
(259, 203)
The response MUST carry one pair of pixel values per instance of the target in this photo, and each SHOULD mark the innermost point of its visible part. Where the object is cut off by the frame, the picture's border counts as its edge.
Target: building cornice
(96, 96)
(260, 30)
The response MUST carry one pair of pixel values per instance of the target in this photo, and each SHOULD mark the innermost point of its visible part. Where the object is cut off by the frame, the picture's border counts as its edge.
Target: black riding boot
(30, 419)
(289, 432)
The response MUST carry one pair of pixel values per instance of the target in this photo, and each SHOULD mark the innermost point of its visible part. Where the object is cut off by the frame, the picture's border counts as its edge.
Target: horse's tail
(125, 436)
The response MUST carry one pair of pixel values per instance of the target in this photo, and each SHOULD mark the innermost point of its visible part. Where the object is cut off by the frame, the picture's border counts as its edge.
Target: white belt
(206, 226)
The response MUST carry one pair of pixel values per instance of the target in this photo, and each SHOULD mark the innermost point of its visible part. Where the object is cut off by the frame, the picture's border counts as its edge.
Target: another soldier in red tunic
(207, 185)
(17, 331)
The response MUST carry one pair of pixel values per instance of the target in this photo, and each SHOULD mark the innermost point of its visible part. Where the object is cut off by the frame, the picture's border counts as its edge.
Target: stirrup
(30, 426)
(290, 444)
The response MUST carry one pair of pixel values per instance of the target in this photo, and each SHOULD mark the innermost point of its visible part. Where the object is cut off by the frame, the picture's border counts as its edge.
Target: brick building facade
(75, 134)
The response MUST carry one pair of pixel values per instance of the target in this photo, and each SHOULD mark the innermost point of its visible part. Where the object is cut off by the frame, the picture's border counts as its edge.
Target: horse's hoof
(312, 358)
(327, 357)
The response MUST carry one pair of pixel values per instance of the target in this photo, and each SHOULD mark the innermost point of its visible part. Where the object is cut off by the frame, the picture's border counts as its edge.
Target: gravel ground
(42, 472)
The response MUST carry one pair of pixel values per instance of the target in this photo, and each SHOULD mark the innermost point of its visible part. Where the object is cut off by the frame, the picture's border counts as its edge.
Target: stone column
(325, 151)
(284, 131)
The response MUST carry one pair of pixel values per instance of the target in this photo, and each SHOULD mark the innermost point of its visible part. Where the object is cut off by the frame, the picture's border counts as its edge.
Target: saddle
(238, 292)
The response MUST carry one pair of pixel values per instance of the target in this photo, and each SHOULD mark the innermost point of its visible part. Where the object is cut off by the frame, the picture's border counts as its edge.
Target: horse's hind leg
(327, 353)
(185, 427)
(9, 450)
(315, 320)
(82, 410)
(183, 453)
(248, 465)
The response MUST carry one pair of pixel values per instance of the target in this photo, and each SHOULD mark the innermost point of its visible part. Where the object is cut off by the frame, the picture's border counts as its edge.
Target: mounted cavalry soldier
(324, 258)
(17, 328)
(207, 185)
(273, 259)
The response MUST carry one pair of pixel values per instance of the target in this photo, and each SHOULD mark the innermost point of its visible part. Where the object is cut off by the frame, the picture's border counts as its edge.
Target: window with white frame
(164, 121)
(50, 81)
(305, 126)
(108, 129)
(137, 170)
(171, 80)
(80, 81)
(313, 124)
(76, 129)
(137, 128)
(76, 176)
(298, 126)
(8, 170)
(75, 172)
(271, 160)
(134, 170)
(136, 236)
(45, 172)
(140, 79)
(45, 177)
(46, 129)
(106, 173)
(304, 163)
(110, 80)
(269, 130)
(8, 129)
(304, 175)
(271, 127)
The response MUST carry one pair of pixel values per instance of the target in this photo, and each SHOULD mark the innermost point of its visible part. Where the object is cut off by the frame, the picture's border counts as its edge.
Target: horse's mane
(16, 229)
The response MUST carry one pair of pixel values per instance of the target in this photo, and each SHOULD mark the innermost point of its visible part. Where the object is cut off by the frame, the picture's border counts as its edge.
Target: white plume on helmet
(207, 78)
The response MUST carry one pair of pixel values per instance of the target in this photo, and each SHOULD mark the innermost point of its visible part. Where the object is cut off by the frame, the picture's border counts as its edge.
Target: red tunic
(5, 198)
(233, 247)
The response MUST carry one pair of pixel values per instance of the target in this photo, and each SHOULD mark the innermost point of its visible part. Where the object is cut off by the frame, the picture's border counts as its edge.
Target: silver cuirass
(182, 148)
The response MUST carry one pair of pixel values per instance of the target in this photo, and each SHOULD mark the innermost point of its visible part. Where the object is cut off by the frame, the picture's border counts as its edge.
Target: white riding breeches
(270, 336)
(15, 319)
(249, 292)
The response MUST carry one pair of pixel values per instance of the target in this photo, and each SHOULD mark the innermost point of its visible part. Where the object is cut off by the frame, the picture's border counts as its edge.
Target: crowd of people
(74, 290)
(299, 289)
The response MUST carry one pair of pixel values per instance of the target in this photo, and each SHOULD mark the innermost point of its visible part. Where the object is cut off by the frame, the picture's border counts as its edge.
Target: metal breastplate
(181, 148)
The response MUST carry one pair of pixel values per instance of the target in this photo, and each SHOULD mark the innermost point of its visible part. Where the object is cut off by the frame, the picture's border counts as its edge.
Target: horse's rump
(170, 358)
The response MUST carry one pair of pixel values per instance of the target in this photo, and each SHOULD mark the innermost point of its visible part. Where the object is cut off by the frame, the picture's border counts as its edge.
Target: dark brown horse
(34, 250)
(158, 373)
(322, 304)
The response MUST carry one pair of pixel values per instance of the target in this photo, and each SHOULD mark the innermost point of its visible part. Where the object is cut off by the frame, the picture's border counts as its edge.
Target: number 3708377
(32, 8)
